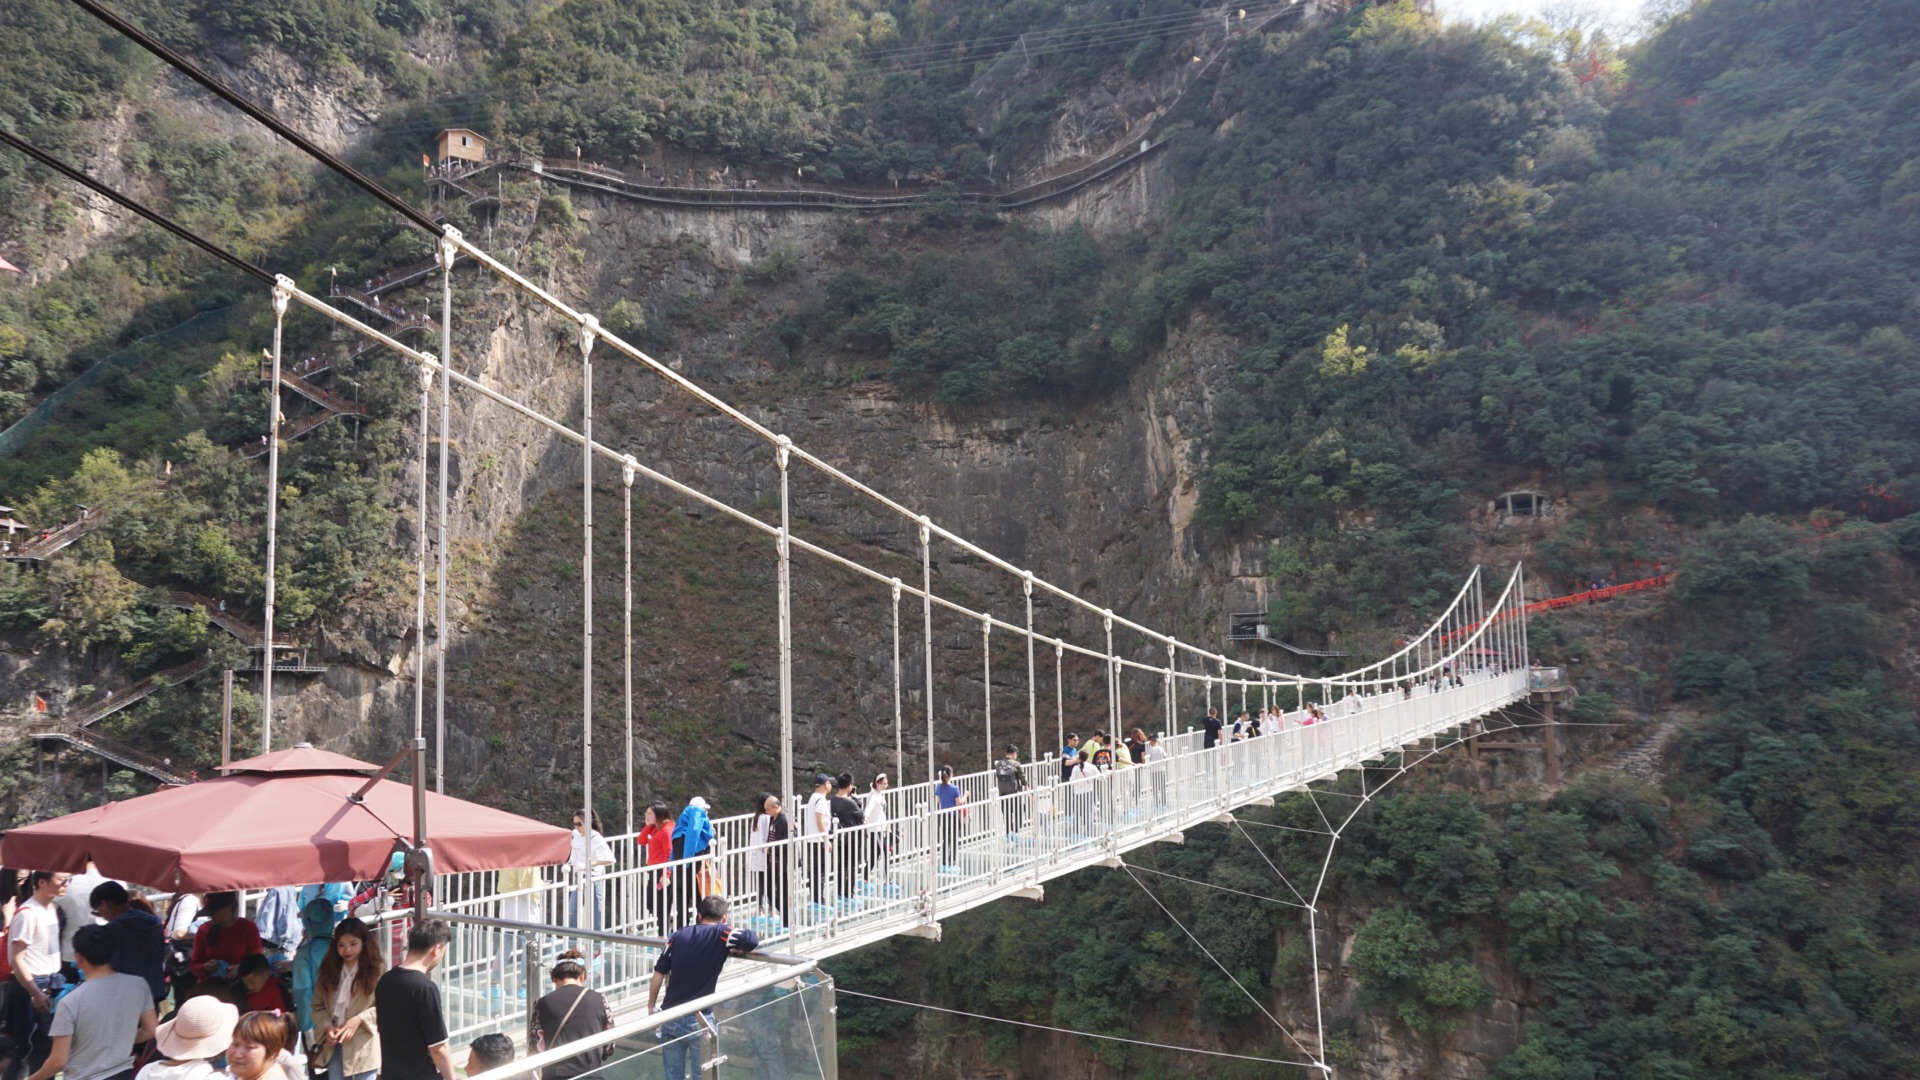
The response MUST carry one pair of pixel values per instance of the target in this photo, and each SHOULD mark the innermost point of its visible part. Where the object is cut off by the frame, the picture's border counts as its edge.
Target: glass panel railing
(781, 1028)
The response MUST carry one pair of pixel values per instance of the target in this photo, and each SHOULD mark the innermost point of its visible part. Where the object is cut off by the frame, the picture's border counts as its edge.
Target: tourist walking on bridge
(224, 939)
(201, 1030)
(848, 839)
(768, 855)
(1157, 758)
(344, 1019)
(815, 824)
(412, 1026)
(882, 838)
(949, 798)
(589, 853)
(139, 941)
(1009, 781)
(689, 967)
(656, 849)
(569, 1013)
(97, 1024)
(33, 950)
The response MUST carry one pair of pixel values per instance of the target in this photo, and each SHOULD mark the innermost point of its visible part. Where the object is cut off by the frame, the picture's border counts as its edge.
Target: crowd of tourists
(99, 985)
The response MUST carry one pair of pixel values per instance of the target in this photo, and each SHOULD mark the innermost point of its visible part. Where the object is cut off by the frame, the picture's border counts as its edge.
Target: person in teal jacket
(319, 918)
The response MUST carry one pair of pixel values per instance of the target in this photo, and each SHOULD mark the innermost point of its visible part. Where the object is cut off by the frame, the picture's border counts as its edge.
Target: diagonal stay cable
(1258, 850)
(1082, 1034)
(1284, 1030)
(1284, 828)
(1222, 888)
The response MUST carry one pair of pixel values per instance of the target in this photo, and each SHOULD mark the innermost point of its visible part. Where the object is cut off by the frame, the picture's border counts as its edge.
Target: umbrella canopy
(280, 819)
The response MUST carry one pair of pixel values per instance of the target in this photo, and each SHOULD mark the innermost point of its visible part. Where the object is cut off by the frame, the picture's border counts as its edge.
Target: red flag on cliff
(5, 265)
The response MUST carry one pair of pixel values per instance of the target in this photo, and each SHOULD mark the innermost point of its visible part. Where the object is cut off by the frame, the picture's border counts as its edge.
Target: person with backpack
(1010, 781)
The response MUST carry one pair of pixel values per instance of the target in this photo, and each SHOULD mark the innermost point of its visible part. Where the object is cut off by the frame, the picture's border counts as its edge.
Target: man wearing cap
(97, 1024)
(202, 1029)
(689, 967)
(815, 822)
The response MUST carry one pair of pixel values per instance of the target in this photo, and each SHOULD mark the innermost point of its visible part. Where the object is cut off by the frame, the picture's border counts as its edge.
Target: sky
(1618, 13)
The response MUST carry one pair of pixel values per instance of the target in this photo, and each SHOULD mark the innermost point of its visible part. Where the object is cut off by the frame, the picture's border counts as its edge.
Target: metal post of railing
(280, 297)
(784, 553)
(899, 746)
(1033, 704)
(587, 908)
(445, 252)
(926, 616)
(986, 681)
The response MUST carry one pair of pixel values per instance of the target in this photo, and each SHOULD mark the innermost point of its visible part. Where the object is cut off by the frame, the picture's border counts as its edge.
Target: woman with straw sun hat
(202, 1029)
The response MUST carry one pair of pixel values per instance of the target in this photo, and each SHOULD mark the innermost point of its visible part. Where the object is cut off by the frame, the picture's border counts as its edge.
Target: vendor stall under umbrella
(292, 817)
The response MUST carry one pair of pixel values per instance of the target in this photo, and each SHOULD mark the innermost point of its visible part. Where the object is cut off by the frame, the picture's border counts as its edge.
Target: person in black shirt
(569, 1013)
(689, 967)
(1212, 723)
(139, 941)
(847, 815)
(413, 1031)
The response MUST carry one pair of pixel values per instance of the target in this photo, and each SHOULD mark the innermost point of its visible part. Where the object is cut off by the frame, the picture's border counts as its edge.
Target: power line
(232, 98)
(130, 203)
(1070, 1031)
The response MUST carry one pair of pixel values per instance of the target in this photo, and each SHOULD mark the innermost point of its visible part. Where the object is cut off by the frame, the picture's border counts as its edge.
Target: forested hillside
(1674, 281)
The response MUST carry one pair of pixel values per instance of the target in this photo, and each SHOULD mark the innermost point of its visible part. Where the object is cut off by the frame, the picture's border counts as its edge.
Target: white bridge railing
(856, 886)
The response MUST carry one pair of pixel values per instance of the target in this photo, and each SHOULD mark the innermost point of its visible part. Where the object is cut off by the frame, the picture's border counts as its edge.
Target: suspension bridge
(814, 895)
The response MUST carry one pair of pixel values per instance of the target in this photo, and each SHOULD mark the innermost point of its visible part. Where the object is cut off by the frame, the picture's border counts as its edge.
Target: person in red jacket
(225, 939)
(656, 847)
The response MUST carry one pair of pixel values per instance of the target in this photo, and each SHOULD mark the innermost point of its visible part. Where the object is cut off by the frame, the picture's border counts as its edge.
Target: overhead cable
(132, 204)
(1211, 885)
(1070, 1031)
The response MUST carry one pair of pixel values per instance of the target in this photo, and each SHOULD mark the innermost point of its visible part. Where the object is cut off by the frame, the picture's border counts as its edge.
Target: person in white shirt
(33, 948)
(98, 1023)
(815, 822)
(873, 811)
(1157, 768)
(590, 852)
(76, 904)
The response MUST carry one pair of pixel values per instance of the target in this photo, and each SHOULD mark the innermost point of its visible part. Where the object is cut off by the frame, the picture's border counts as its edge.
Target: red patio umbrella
(285, 818)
